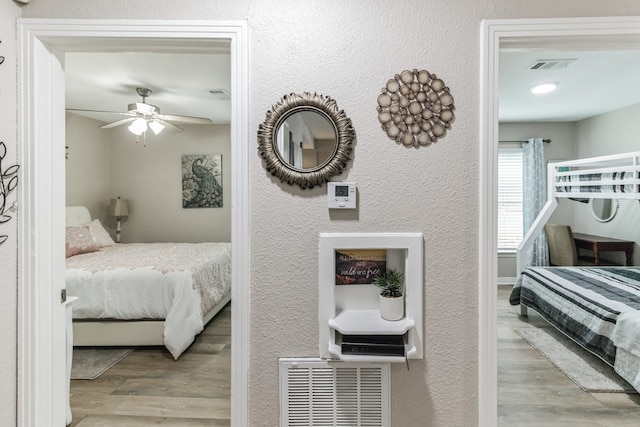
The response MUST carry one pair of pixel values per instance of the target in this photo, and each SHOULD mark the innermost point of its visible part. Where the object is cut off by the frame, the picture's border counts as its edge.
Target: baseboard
(506, 280)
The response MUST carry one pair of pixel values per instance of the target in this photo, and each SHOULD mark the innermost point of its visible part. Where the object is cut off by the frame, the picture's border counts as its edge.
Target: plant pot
(391, 308)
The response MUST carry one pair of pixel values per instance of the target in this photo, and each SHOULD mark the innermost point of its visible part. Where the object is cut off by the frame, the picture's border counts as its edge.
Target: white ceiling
(598, 81)
(180, 83)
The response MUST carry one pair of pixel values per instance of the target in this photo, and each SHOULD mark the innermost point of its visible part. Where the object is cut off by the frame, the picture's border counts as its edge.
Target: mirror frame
(312, 177)
(614, 210)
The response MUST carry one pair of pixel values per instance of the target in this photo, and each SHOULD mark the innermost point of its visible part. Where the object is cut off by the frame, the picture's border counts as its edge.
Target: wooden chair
(562, 247)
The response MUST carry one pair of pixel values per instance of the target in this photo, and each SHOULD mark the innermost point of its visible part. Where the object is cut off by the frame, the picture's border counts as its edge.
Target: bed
(597, 307)
(141, 293)
(584, 303)
(614, 176)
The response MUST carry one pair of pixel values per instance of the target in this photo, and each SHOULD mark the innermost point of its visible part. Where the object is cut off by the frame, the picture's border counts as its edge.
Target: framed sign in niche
(351, 326)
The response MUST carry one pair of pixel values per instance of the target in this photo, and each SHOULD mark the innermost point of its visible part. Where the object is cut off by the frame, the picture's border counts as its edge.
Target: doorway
(41, 323)
(602, 32)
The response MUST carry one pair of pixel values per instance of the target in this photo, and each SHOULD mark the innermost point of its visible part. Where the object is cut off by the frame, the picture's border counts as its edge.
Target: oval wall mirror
(305, 140)
(603, 210)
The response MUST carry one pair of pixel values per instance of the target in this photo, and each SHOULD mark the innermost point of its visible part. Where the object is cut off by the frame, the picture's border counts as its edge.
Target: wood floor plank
(126, 421)
(149, 387)
(151, 406)
(211, 387)
(533, 392)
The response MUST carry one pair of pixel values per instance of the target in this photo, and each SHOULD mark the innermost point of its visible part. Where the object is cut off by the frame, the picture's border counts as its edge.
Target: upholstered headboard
(77, 215)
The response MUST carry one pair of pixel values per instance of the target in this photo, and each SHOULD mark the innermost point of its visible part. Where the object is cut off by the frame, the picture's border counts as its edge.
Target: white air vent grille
(551, 64)
(317, 393)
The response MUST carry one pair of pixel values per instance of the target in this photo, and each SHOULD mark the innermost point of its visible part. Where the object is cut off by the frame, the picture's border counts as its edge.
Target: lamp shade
(138, 126)
(119, 208)
(156, 127)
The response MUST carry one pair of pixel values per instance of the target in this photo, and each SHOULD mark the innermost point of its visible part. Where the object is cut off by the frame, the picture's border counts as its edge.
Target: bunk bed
(597, 307)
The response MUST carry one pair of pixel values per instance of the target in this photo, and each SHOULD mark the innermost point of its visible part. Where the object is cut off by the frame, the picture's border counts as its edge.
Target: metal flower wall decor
(415, 108)
(8, 183)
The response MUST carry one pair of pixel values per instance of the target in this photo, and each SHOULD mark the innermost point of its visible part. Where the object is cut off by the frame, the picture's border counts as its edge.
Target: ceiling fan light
(156, 127)
(138, 127)
(544, 88)
(143, 108)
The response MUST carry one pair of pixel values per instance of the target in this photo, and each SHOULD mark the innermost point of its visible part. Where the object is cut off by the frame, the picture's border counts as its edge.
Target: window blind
(509, 197)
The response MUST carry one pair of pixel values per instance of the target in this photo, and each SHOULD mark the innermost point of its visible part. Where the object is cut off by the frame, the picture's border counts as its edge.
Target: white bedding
(626, 337)
(177, 282)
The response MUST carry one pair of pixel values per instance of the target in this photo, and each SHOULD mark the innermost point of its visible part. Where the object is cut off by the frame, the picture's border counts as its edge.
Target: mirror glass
(603, 210)
(306, 139)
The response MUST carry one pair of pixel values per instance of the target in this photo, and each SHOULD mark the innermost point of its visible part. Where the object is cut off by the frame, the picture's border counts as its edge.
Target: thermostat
(341, 195)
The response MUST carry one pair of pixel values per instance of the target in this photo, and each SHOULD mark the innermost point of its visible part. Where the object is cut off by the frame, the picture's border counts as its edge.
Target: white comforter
(626, 337)
(177, 282)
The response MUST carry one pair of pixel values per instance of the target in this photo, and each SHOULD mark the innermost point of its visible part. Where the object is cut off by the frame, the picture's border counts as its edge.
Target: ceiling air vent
(221, 94)
(551, 64)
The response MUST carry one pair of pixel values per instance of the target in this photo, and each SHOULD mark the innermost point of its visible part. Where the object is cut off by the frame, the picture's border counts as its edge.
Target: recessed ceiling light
(543, 88)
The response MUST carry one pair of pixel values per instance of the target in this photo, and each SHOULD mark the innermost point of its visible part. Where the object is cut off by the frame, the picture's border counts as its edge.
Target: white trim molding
(605, 32)
(41, 134)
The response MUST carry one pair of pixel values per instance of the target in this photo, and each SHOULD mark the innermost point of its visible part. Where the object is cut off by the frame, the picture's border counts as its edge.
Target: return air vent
(551, 64)
(318, 393)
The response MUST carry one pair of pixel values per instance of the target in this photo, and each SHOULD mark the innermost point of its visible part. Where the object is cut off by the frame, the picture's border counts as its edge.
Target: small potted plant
(391, 288)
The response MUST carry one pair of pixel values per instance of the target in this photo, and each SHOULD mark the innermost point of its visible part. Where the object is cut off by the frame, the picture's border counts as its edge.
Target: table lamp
(119, 208)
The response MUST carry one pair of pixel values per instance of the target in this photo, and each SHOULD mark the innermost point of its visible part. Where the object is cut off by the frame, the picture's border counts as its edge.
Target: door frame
(600, 32)
(41, 133)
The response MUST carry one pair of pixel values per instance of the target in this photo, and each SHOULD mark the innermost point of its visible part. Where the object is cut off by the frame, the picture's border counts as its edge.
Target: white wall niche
(354, 310)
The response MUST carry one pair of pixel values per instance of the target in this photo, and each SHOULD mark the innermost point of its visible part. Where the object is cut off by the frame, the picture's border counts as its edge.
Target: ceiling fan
(143, 116)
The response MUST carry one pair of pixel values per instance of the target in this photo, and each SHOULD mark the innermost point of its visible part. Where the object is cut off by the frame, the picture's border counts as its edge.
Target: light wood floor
(149, 387)
(533, 392)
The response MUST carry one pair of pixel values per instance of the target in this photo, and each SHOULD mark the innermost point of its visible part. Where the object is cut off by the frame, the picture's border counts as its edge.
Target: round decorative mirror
(305, 140)
(603, 210)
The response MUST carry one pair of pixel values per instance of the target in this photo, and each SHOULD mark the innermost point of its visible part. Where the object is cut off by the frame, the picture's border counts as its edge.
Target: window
(509, 197)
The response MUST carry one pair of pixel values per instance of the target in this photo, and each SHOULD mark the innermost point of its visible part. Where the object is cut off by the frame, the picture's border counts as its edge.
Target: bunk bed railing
(538, 224)
(614, 176)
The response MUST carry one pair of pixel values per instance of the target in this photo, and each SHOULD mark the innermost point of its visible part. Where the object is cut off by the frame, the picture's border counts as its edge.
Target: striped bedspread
(610, 182)
(582, 302)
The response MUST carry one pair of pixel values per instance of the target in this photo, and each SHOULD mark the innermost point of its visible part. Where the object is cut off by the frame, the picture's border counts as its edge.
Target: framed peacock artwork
(202, 180)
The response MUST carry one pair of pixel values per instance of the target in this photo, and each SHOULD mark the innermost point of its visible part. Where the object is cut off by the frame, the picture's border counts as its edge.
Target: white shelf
(368, 322)
(354, 309)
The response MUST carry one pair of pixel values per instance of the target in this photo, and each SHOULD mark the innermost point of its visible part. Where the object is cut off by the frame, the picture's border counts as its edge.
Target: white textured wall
(8, 259)
(614, 132)
(151, 179)
(348, 54)
(87, 165)
(105, 164)
(346, 50)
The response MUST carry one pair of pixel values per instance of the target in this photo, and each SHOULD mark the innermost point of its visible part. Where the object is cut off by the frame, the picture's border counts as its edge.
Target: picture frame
(202, 181)
(359, 266)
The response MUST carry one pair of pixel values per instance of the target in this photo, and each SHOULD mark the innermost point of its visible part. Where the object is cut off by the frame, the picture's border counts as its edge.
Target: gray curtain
(534, 193)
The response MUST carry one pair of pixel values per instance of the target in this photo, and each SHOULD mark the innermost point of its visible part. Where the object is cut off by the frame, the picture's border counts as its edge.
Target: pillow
(79, 241)
(100, 235)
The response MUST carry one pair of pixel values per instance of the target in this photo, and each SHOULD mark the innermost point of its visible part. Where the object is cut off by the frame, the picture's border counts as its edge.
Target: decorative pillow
(100, 235)
(80, 241)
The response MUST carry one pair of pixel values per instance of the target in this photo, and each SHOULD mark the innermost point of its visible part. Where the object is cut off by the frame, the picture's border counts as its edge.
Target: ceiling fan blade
(101, 112)
(117, 123)
(185, 119)
(169, 126)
